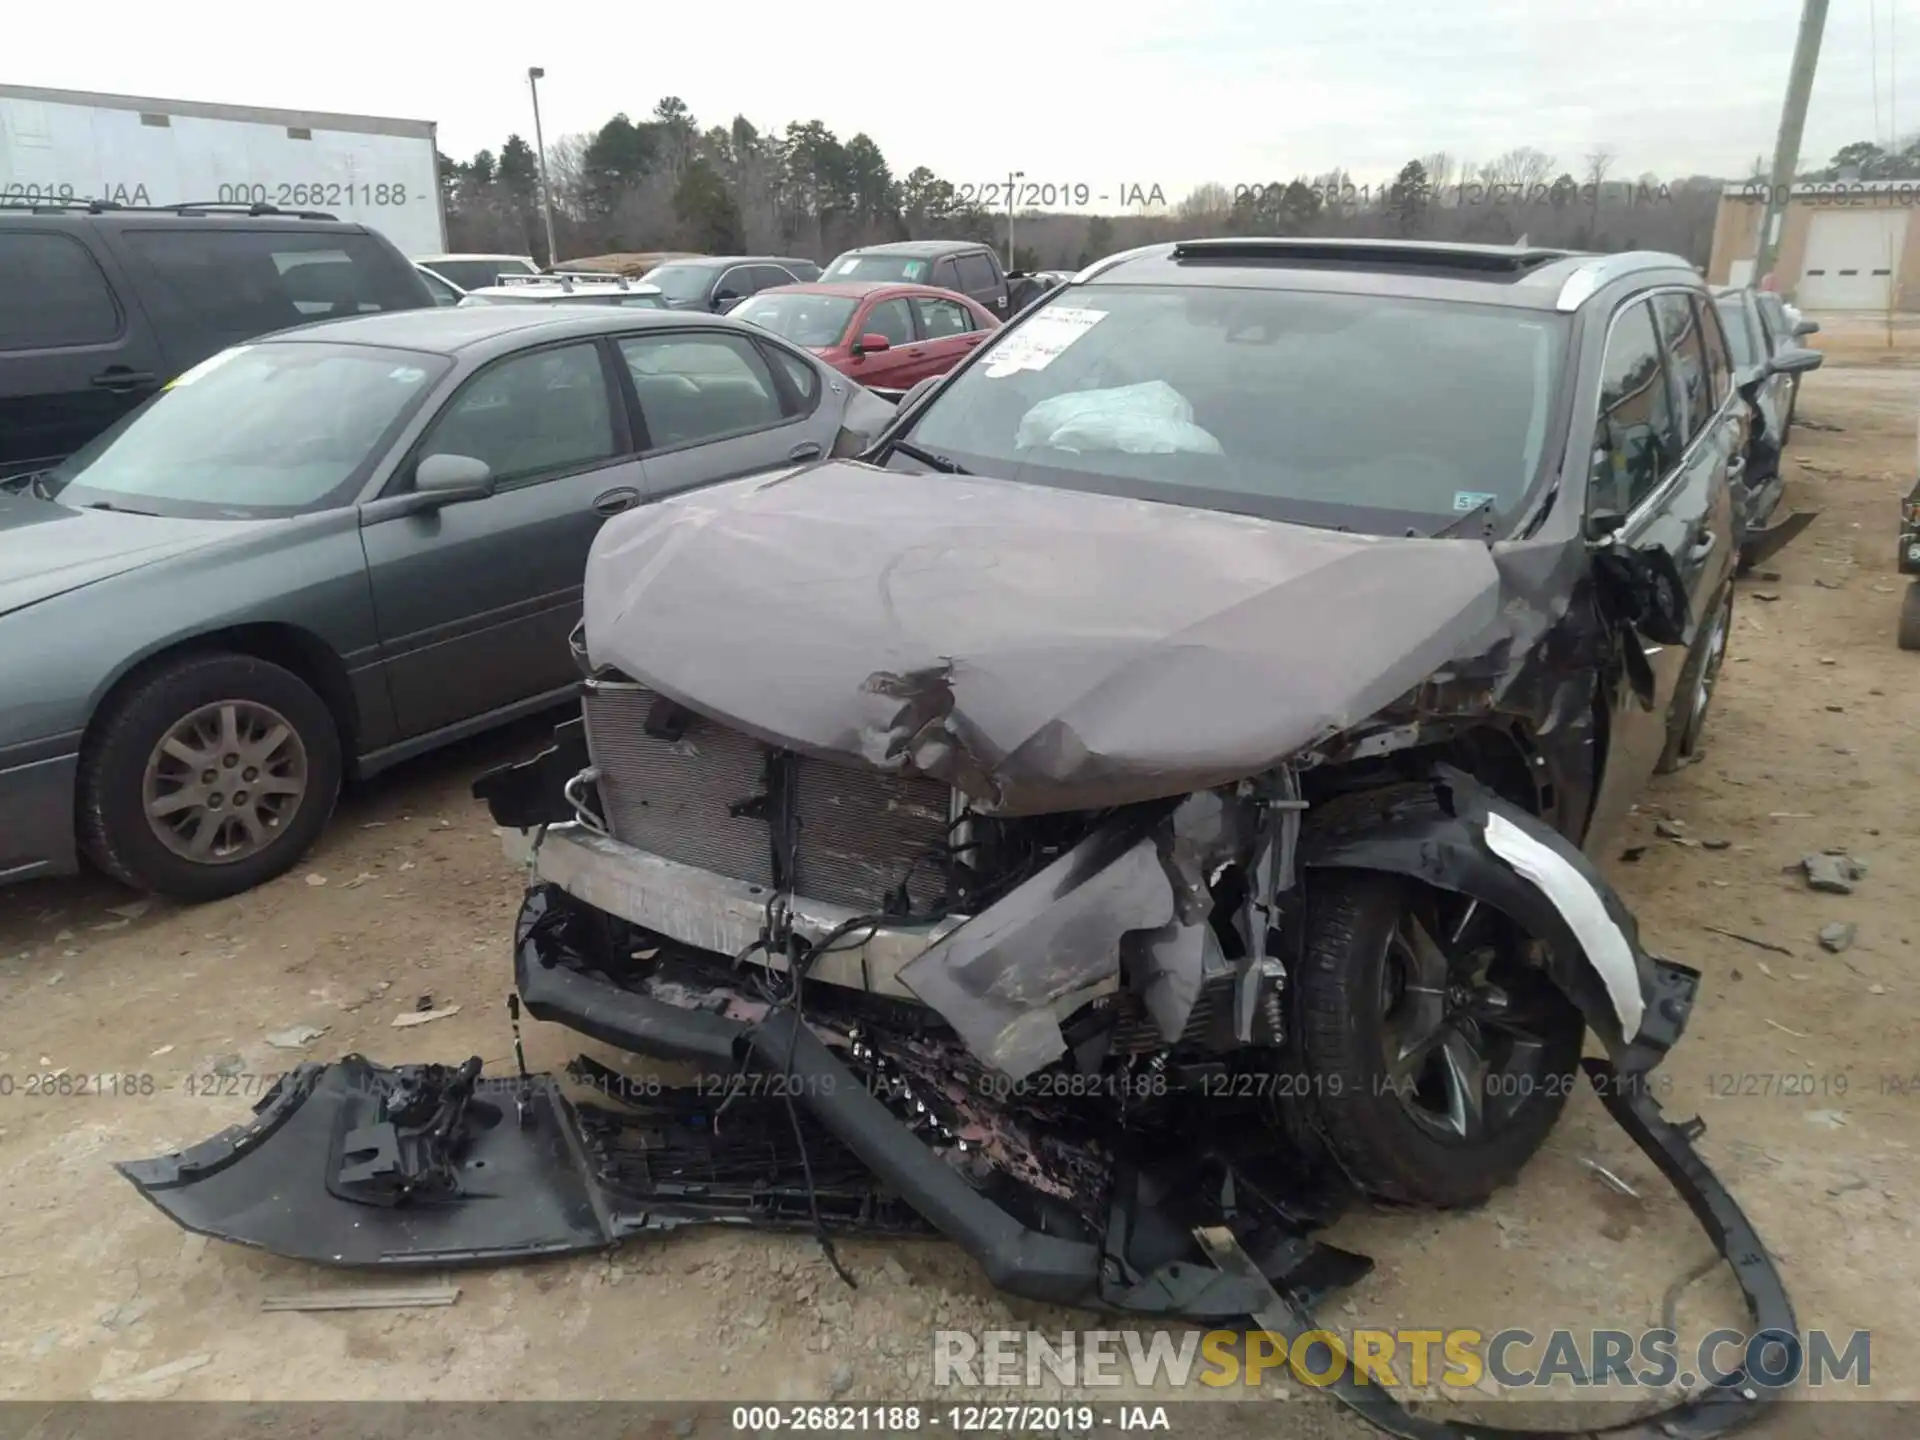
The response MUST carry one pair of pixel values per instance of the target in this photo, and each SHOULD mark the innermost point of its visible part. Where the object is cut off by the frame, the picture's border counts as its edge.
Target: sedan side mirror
(451, 478)
(868, 344)
(725, 300)
(1806, 327)
(1796, 360)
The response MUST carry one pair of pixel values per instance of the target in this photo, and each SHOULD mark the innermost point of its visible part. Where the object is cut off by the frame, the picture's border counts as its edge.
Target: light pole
(1013, 178)
(534, 76)
(1786, 149)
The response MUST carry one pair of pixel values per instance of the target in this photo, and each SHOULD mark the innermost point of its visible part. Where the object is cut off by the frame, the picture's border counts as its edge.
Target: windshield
(681, 282)
(815, 321)
(258, 430)
(1311, 407)
(473, 274)
(1741, 340)
(894, 269)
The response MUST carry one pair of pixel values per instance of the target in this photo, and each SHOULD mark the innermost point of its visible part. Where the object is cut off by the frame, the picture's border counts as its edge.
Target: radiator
(861, 830)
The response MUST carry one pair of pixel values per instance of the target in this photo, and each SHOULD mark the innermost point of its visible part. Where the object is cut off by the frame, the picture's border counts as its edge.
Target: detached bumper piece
(354, 1164)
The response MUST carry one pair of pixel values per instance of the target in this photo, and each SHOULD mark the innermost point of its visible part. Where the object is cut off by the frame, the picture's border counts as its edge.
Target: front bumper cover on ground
(354, 1164)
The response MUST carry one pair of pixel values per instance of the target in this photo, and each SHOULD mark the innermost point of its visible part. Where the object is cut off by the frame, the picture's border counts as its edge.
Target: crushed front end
(1029, 950)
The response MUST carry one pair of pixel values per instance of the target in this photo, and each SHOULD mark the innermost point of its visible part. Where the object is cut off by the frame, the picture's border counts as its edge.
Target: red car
(887, 336)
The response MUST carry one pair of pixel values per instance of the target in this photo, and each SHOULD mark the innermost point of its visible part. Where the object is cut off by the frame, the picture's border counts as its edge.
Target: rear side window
(1719, 365)
(1636, 441)
(242, 283)
(802, 376)
(942, 318)
(52, 294)
(1686, 362)
(766, 276)
(977, 273)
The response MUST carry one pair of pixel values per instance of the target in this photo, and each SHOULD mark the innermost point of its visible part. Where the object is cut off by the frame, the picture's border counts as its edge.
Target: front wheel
(1438, 1053)
(212, 775)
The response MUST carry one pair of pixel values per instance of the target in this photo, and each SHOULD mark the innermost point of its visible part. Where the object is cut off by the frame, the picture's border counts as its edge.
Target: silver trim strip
(1589, 279)
(714, 912)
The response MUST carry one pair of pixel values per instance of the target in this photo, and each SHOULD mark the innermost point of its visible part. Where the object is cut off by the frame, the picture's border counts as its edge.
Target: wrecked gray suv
(1139, 807)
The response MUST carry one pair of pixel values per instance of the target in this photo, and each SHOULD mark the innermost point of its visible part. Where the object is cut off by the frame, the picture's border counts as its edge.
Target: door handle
(612, 502)
(805, 450)
(1702, 544)
(1736, 467)
(118, 377)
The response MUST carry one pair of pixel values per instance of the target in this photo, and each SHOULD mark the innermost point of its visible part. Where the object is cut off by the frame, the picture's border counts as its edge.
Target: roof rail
(184, 207)
(1108, 262)
(1510, 260)
(1603, 270)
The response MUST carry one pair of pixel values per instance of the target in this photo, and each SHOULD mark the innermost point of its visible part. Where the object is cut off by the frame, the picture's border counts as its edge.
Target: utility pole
(534, 76)
(1786, 149)
(1013, 179)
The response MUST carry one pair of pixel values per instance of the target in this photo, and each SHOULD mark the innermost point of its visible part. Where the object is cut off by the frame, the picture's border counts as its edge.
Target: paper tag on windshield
(1039, 342)
(206, 367)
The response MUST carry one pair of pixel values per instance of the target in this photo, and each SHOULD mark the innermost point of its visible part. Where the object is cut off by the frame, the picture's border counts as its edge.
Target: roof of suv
(1533, 278)
(254, 216)
(920, 249)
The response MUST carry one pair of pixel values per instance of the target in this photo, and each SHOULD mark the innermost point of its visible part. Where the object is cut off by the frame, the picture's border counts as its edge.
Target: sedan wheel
(225, 781)
(210, 774)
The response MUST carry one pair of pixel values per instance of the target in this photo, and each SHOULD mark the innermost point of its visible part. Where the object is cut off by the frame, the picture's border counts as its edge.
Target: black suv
(101, 305)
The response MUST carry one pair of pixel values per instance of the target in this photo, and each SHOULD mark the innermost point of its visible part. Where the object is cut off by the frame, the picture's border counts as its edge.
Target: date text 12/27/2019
(282, 194)
(1057, 194)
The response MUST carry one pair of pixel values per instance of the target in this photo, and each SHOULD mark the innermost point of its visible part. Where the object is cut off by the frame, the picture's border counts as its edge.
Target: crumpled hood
(1042, 649)
(48, 549)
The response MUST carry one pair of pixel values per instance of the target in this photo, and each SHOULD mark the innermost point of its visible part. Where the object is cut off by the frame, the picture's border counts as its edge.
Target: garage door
(1851, 257)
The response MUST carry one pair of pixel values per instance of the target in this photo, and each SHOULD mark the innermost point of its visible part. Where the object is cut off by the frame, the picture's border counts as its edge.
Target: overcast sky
(1107, 94)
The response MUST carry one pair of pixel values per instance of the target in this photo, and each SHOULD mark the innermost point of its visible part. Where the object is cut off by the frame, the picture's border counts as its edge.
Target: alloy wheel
(225, 781)
(1468, 1020)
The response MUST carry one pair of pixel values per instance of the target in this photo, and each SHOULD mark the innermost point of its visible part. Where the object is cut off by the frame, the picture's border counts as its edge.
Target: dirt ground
(1804, 1064)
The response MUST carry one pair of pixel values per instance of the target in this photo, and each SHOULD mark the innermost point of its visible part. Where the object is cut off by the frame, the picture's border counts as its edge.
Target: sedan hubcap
(225, 781)
(1465, 1047)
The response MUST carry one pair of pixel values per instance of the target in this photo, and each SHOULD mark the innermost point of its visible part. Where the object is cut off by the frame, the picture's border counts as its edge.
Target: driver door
(475, 599)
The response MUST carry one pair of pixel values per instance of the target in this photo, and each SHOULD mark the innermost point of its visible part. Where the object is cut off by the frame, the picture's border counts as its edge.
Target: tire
(251, 835)
(1378, 1122)
(1693, 697)
(1910, 618)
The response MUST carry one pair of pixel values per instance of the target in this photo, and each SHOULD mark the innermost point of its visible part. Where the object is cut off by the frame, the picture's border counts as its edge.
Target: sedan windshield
(1374, 412)
(815, 321)
(681, 282)
(258, 430)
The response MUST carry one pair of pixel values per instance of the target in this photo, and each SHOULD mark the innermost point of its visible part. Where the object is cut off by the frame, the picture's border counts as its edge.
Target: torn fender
(1454, 833)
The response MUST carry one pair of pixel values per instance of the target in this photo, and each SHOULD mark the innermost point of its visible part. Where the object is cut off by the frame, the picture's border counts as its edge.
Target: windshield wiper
(927, 457)
(117, 509)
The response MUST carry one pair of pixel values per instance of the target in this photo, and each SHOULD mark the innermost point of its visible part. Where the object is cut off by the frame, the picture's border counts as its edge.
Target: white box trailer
(72, 145)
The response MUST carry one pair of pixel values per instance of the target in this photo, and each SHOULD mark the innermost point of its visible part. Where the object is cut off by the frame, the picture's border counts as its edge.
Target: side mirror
(725, 300)
(450, 478)
(1796, 360)
(868, 344)
(1806, 327)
